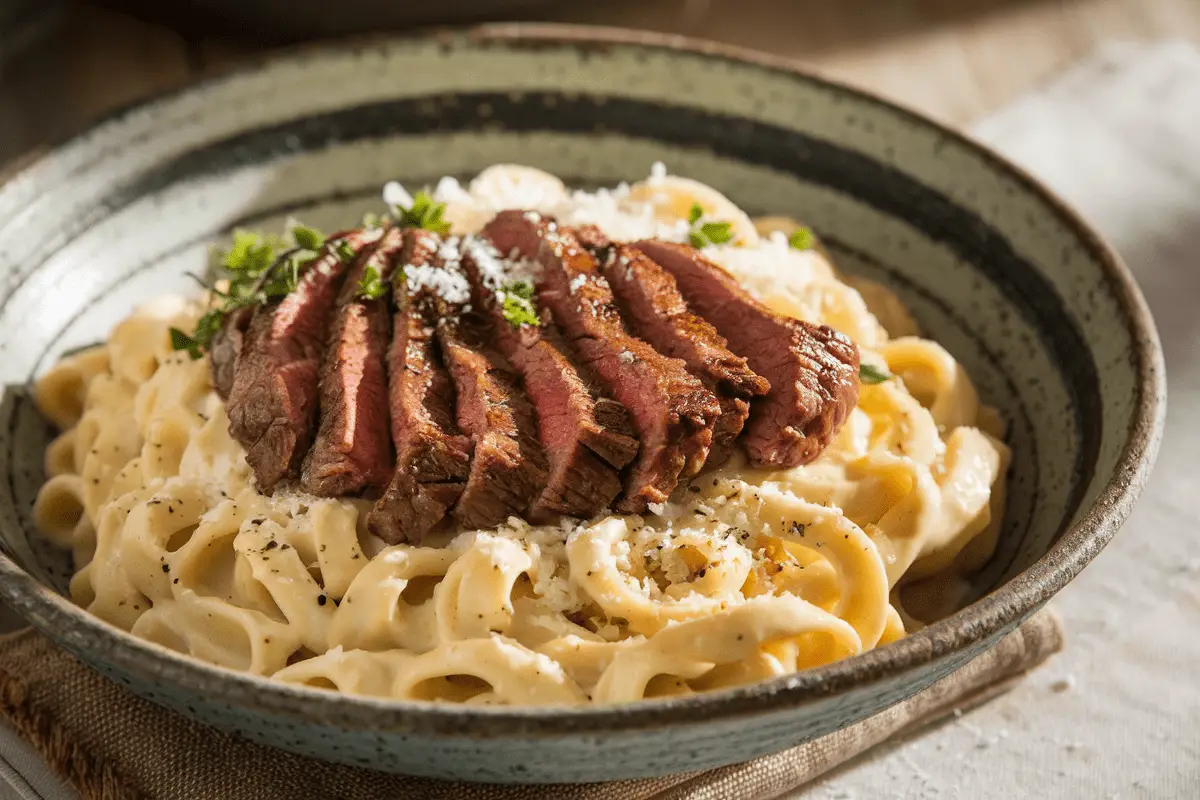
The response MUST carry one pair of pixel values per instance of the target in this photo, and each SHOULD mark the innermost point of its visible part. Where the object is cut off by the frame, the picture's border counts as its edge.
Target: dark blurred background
(65, 62)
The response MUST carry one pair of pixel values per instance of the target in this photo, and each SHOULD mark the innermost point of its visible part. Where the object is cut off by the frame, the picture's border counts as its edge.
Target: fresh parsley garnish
(703, 234)
(517, 304)
(181, 341)
(423, 213)
(308, 238)
(801, 239)
(199, 341)
(251, 252)
(344, 251)
(872, 375)
(208, 326)
(284, 279)
(258, 269)
(247, 265)
(371, 285)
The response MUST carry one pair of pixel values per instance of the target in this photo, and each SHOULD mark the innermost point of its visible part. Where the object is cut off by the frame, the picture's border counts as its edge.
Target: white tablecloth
(1118, 713)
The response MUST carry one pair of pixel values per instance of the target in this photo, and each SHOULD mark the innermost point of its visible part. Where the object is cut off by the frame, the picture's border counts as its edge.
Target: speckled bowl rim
(971, 626)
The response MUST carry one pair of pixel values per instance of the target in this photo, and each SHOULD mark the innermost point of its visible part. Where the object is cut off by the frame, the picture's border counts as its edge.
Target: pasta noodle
(754, 574)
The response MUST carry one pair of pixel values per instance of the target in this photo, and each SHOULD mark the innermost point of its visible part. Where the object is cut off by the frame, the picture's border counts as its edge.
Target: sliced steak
(353, 449)
(226, 349)
(672, 411)
(273, 401)
(508, 466)
(654, 310)
(813, 369)
(433, 459)
(517, 234)
(615, 438)
(581, 482)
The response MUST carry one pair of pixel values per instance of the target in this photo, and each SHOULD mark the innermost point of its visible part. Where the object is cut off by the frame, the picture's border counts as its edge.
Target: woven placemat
(112, 745)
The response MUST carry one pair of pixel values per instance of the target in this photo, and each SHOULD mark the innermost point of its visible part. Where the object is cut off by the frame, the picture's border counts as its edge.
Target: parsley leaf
(284, 279)
(251, 252)
(717, 232)
(371, 286)
(181, 341)
(802, 239)
(208, 326)
(308, 238)
(258, 268)
(703, 234)
(344, 251)
(872, 375)
(423, 213)
(522, 289)
(198, 342)
(517, 300)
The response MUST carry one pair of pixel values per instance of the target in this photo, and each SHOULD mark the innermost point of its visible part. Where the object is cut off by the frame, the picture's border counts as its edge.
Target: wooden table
(954, 59)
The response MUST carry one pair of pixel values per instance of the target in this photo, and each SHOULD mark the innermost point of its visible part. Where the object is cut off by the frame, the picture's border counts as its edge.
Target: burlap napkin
(109, 744)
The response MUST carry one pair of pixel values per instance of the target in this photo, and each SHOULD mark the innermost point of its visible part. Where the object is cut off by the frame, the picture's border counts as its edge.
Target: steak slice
(672, 411)
(813, 369)
(518, 235)
(226, 349)
(352, 449)
(614, 439)
(273, 401)
(654, 310)
(581, 482)
(508, 467)
(433, 459)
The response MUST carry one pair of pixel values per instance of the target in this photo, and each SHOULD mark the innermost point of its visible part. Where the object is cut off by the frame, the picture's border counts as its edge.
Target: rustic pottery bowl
(1042, 313)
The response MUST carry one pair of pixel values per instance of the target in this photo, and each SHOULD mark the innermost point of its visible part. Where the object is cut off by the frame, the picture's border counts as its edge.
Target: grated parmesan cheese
(450, 285)
(494, 269)
(394, 194)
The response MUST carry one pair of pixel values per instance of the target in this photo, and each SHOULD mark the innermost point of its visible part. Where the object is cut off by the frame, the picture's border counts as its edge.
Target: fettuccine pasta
(748, 575)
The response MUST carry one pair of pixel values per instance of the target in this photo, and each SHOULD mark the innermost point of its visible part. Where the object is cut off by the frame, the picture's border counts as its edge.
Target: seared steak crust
(654, 310)
(671, 410)
(647, 362)
(226, 349)
(518, 234)
(273, 401)
(353, 449)
(508, 465)
(433, 459)
(613, 438)
(813, 369)
(580, 482)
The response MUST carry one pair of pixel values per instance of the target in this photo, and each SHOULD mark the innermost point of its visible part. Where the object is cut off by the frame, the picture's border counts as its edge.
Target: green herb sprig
(199, 341)
(258, 269)
(344, 251)
(371, 285)
(872, 375)
(517, 304)
(308, 238)
(423, 213)
(703, 234)
(802, 239)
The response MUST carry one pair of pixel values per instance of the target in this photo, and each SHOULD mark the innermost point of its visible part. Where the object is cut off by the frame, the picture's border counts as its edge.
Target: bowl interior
(995, 271)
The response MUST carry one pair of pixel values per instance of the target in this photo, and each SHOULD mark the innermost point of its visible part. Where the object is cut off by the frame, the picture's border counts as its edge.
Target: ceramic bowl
(1041, 312)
